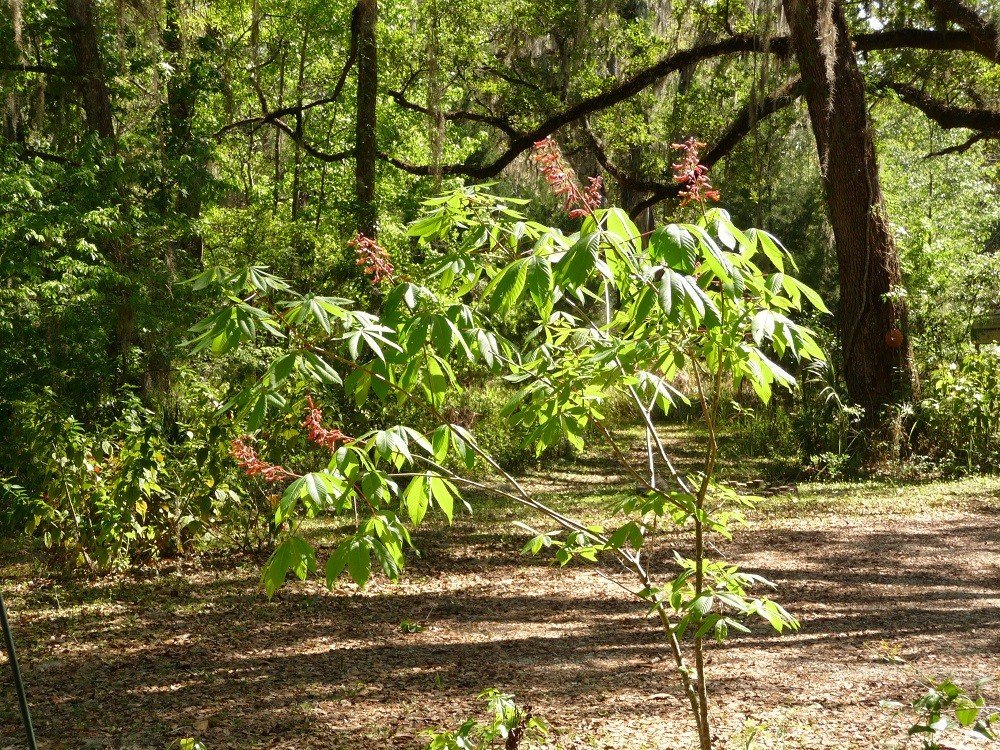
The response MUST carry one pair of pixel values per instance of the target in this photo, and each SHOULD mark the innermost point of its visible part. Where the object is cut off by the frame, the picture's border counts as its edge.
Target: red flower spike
(373, 257)
(562, 180)
(319, 434)
(253, 466)
(692, 174)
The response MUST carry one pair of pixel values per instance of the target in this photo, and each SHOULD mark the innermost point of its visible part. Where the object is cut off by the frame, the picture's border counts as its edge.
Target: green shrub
(960, 416)
(131, 489)
(765, 431)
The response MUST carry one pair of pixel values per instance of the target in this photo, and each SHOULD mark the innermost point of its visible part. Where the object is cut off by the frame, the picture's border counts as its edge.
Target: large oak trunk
(877, 366)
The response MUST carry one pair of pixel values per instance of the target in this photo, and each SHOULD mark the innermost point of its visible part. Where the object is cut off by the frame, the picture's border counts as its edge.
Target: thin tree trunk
(297, 198)
(96, 99)
(278, 172)
(366, 149)
(91, 83)
(182, 98)
(877, 373)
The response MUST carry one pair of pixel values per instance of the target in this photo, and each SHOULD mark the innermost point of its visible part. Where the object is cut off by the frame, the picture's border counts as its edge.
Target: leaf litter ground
(892, 583)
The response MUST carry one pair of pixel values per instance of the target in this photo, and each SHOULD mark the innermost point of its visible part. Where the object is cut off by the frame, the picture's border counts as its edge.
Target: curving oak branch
(517, 142)
(948, 116)
(749, 115)
(984, 32)
(908, 38)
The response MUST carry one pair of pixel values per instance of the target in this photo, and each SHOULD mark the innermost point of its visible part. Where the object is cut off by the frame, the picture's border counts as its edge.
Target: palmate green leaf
(444, 335)
(281, 368)
(294, 555)
(539, 281)
(254, 405)
(487, 347)
(444, 493)
(359, 562)
(713, 256)
(772, 249)
(416, 498)
(774, 613)
(259, 278)
(463, 441)
(794, 288)
(673, 293)
(211, 276)
(440, 443)
(576, 266)
(358, 385)
(618, 224)
(630, 534)
(337, 562)
(674, 246)
(966, 711)
(429, 226)
(762, 326)
(319, 369)
(730, 235)
(411, 435)
(436, 380)
(289, 500)
(507, 286)
(389, 556)
(698, 306)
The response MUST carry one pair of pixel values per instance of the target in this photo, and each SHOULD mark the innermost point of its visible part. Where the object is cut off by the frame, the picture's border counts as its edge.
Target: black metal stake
(18, 682)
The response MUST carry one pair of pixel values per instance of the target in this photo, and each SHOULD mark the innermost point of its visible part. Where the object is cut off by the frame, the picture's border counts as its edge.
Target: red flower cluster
(692, 174)
(253, 466)
(373, 257)
(320, 434)
(562, 179)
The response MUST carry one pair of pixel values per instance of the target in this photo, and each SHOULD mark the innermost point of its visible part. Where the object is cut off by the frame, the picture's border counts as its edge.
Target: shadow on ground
(133, 663)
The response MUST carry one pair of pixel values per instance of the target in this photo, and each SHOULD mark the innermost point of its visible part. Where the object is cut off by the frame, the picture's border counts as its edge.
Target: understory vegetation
(688, 306)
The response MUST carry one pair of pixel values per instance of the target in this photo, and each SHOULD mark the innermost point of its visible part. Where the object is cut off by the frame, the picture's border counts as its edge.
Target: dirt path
(884, 595)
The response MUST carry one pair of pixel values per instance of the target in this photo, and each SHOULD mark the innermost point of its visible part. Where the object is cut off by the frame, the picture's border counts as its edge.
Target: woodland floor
(891, 582)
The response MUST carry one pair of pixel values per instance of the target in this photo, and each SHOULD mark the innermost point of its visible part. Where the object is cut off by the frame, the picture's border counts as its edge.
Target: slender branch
(499, 123)
(958, 148)
(985, 33)
(44, 69)
(297, 110)
(985, 121)
(746, 119)
(31, 153)
(298, 138)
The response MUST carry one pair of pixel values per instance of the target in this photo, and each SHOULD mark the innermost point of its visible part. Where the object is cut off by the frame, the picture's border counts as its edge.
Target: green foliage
(136, 490)
(960, 414)
(946, 709)
(509, 727)
(612, 316)
(827, 425)
(764, 431)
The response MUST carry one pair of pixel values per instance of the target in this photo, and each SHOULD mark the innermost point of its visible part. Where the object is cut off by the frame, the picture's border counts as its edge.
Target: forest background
(145, 142)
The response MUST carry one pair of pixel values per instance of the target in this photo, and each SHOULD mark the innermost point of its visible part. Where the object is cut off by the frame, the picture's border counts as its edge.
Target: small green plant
(885, 651)
(509, 727)
(828, 427)
(948, 709)
(409, 626)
